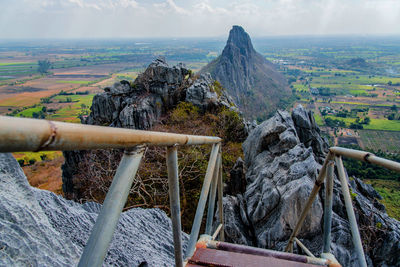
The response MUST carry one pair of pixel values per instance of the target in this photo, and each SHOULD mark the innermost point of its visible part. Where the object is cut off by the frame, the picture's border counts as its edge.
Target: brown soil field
(103, 69)
(25, 99)
(49, 86)
(93, 89)
(46, 175)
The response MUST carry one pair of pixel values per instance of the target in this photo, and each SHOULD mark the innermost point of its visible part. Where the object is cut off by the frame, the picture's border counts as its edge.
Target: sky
(195, 18)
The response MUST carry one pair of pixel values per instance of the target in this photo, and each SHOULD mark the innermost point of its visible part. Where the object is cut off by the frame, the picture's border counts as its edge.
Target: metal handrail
(22, 134)
(335, 156)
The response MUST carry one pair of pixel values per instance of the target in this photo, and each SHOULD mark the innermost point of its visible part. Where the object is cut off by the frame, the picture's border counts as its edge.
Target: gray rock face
(200, 95)
(308, 132)
(39, 228)
(253, 82)
(280, 174)
(282, 157)
(140, 104)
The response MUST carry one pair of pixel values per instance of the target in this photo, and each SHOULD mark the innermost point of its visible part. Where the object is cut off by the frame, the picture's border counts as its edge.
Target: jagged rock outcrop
(141, 104)
(253, 82)
(309, 133)
(199, 94)
(282, 157)
(39, 228)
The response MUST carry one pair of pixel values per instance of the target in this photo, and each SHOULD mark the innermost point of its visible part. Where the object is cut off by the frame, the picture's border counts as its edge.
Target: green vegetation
(387, 141)
(318, 119)
(44, 66)
(217, 87)
(364, 170)
(75, 82)
(374, 124)
(28, 158)
(390, 192)
(77, 106)
(30, 111)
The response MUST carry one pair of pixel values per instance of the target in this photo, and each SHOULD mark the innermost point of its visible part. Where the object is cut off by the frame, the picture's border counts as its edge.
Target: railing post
(220, 200)
(350, 212)
(328, 208)
(202, 200)
(103, 230)
(211, 199)
(173, 182)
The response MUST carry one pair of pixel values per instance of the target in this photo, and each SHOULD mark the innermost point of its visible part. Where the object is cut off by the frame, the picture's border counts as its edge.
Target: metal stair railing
(327, 171)
(21, 134)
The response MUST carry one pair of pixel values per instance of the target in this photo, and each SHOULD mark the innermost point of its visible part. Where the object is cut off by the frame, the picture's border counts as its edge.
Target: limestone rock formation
(254, 83)
(199, 94)
(141, 104)
(39, 228)
(282, 157)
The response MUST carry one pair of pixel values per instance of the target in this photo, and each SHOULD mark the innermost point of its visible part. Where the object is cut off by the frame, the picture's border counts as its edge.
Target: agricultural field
(377, 140)
(351, 84)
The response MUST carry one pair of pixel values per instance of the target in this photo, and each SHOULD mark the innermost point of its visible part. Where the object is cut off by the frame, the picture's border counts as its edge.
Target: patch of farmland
(383, 140)
(79, 104)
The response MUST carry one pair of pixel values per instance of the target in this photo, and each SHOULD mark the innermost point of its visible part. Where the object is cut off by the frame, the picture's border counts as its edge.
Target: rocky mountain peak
(238, 40)
(255, 85)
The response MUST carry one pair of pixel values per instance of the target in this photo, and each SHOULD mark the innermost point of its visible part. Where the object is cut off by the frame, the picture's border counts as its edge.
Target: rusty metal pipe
(174, 203)
(202, 200)
(22, 134)
(313, 195)
(367, 157)
(265, 252)
(350, 212)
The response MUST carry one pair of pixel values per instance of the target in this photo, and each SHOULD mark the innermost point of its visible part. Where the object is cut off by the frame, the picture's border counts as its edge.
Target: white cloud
(154, 18)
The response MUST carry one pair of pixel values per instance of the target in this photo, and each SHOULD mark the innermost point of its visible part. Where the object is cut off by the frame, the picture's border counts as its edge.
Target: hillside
(256, 86)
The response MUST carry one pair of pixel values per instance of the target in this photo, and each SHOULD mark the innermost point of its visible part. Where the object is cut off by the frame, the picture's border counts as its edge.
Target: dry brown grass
(46, 175)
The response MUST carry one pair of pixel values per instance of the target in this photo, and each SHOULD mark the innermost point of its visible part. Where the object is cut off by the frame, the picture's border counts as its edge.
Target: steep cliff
(254, 83)
(39, 228)
(282, 156)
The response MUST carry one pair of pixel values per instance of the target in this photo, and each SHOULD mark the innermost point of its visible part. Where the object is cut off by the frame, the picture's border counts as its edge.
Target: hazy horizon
(139, 19)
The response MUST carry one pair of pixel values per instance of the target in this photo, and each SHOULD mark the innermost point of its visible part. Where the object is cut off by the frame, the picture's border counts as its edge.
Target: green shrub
(217, 87)
(21, 162)
(184, 111)
(32, 161)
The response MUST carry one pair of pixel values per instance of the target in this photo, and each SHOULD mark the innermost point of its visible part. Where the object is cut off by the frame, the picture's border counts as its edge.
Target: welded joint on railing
(50, 139)
(367, 156)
